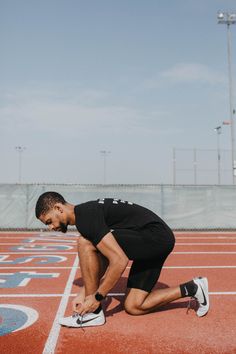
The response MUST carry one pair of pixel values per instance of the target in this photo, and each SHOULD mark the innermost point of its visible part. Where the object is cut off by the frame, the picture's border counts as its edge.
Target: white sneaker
(89, 319)
(202, 296)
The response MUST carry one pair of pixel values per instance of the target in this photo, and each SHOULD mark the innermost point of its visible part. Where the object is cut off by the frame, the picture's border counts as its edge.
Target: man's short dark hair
(46, 202)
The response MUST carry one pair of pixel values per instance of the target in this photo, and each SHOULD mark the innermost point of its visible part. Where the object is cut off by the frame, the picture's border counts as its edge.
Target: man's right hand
(78, 300)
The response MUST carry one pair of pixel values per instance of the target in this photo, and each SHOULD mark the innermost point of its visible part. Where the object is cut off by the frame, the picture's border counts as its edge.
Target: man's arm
(96, 267)
(117, 264)
(118, 261)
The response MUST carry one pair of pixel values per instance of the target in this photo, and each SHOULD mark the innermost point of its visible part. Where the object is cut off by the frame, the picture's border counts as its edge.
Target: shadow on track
(120, 287)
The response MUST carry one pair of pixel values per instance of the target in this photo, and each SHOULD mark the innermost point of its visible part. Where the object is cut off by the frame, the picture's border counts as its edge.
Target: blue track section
(11, 319)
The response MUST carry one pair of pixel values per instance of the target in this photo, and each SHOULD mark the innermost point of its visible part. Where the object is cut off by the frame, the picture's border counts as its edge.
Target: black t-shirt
(94, 219)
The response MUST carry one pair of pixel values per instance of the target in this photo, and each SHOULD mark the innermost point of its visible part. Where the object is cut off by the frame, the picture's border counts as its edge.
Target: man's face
(55, 219)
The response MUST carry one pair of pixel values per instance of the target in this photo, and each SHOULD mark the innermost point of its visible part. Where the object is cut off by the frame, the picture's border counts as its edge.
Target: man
(112, 232)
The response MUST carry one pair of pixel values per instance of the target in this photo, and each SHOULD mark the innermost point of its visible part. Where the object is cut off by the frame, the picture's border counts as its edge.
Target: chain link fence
(202, 166)
(183, 207)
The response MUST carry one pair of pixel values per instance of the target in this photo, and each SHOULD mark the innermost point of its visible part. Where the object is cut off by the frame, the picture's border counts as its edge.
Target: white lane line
(203, 252)
(48, 295)
(210, 293)
(197, 232)
(205, 238)
(69, 243)
(36, 236)
(110, 294)
(76, 237)
(25, 267)
(229, 237)
(37, 244)
(41, 252)
(128, 267)
(196, 267)
(31, 295)
(38, 233)
(66, 253)
(222, 293)
(55, 330)
(205, 243)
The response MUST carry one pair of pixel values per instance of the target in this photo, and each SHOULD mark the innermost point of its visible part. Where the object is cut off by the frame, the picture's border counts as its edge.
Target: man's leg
(141, 299)
(140, 302)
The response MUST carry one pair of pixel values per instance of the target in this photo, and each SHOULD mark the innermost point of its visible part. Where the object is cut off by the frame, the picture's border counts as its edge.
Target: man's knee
(135, 301)
(132, 307)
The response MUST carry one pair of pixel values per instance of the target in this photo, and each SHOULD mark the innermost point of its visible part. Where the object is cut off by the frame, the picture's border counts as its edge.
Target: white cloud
(193, 73)
(48, 112)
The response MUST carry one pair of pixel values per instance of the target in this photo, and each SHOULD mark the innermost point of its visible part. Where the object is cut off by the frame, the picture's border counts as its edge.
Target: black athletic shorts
(148, 248)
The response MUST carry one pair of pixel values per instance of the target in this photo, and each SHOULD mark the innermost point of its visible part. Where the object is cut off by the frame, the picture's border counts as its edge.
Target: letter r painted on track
(13, 280)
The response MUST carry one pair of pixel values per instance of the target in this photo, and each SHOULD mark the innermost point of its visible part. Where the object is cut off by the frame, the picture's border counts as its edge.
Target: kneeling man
(114, 231)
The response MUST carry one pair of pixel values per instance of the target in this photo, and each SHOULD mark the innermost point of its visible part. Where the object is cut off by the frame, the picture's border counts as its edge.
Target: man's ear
(58, 207)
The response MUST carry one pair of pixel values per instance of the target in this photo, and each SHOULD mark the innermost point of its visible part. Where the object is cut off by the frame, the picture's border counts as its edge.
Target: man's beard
(63, 227)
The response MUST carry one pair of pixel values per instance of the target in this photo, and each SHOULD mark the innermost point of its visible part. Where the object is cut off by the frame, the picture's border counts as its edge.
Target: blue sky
(133, 77)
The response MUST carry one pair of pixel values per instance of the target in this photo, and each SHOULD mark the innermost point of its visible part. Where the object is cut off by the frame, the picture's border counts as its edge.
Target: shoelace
(189, 304)
(189, 307)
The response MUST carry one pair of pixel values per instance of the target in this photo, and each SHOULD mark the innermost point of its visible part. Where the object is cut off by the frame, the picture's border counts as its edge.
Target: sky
(135, 78)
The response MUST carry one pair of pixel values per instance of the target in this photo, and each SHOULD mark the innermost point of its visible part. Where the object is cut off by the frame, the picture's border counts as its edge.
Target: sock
(188, 289)
(98, 309)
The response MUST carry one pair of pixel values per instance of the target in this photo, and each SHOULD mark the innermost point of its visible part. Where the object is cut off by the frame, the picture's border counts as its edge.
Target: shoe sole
(82, 326)
(90, 323)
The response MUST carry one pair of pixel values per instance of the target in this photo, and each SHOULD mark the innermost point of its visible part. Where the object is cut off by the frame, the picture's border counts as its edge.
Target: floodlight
(232, 17)
(220, 16)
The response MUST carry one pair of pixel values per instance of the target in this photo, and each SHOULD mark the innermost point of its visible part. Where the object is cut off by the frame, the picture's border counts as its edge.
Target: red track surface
(170, 330)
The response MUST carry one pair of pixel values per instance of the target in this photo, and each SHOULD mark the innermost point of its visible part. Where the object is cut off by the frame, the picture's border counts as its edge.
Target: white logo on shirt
(115, 201)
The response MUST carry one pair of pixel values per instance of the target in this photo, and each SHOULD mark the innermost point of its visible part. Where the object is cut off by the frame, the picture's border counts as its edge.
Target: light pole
(104, 154)
(230, 19)
(218, 130)
(20, 150)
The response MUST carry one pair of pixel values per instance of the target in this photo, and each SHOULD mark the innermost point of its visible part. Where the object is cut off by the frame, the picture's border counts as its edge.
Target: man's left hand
(90, 304)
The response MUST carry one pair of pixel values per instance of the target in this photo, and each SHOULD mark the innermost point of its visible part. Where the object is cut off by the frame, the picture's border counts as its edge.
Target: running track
(40, 274)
